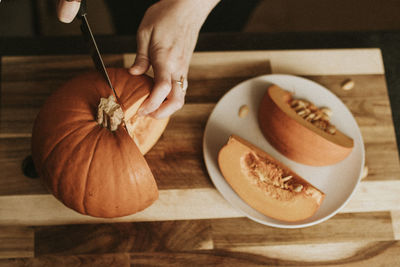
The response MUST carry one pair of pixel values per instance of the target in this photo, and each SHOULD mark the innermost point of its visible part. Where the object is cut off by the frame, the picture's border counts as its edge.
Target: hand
(67, 10)
(166, 39)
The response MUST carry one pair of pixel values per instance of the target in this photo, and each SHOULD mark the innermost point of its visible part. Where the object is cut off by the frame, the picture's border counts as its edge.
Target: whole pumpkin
(83, 153)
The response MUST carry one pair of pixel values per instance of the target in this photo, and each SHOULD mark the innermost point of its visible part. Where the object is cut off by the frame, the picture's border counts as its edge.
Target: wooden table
(191, 224)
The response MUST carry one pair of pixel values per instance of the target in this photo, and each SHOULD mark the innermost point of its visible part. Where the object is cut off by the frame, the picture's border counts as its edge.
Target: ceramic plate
(337, 181)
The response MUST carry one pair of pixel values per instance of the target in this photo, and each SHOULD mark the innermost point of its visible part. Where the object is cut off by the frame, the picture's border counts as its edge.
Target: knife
(94, 51)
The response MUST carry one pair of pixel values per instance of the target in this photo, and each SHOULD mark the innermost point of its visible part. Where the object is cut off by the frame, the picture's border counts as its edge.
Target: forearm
(196, 10)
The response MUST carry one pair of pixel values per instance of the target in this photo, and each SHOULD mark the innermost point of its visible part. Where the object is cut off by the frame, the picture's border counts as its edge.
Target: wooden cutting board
(191, 223)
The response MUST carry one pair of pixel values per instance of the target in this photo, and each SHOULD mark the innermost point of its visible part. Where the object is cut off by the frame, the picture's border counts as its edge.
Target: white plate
(337, 181)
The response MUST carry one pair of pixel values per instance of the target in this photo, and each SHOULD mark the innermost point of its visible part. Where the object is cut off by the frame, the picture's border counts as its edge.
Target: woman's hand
(166, 39)
(67, 10)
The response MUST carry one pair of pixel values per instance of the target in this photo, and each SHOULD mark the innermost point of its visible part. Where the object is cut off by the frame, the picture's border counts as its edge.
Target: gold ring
(183, 83)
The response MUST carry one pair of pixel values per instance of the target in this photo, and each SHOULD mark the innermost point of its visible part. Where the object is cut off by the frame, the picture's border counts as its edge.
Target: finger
(66, 11)
(161, 89)
(175, 101)
(168, 108)
(141, 65)
(142, 61)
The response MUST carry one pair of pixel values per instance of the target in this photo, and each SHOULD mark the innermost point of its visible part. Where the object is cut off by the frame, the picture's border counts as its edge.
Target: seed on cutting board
(243, 111)
(348, 84)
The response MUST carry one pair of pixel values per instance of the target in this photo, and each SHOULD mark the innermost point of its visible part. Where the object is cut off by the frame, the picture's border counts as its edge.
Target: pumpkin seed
(298, 188)
(348, 84)
(243, 111)
(287, 178)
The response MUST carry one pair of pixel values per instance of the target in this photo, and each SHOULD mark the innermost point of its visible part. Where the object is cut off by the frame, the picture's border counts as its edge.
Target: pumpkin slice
(297, 138)
(85, 157)
(266, 184)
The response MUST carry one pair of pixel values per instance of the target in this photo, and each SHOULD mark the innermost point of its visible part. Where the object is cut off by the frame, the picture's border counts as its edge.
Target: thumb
(141, 65)
(142, 61)
(67, 10)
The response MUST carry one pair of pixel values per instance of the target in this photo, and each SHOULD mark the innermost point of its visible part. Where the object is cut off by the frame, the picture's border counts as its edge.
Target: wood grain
(374, 196)
(120, 260)
(12, 180)
(181, 145)
(238, 232)
(123, 237)
(28, 81)
(383, 253)
(376, 254)
(396, 223)
(171, 205)
(191, 223)
(183, 204)
(298, 62)
(16, 242)
(309, 252)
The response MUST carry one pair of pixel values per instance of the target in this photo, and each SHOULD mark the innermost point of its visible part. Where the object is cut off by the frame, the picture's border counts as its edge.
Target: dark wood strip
(51, 68)
(378, 254)
(177, 159)
(239, 232)
(16, 242)
(384, 253)
(123, 237)
(12, 180)
(28, 81)
(120, 260)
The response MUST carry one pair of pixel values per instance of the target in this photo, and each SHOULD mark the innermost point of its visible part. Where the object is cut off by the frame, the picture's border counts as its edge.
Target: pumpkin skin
(86, 166)
(296, 138)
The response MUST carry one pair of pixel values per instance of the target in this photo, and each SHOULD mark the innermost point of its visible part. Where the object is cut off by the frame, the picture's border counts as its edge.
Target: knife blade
(94, 51)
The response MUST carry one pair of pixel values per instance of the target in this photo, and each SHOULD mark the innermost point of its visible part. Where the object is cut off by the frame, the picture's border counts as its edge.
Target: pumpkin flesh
(258, 179)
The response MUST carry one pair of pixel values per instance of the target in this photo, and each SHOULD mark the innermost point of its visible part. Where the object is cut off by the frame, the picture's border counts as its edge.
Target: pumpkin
(297, 138)
(83, 153)
(266, 184)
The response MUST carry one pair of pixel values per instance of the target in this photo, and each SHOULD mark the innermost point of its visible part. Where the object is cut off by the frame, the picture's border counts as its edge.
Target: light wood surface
(191, 223)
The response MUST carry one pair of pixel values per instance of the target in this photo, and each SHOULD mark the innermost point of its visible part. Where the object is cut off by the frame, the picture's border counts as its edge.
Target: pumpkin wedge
(297, 138)
(265, 184)
(83, 153)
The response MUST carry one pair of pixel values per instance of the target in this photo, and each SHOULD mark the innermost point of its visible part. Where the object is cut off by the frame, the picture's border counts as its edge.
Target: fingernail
(133, 70)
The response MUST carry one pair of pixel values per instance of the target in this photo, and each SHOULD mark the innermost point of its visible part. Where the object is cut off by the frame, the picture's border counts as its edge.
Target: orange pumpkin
(87, 165)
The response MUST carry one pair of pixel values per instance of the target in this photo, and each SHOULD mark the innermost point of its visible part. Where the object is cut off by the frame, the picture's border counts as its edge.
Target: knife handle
(82, 9)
